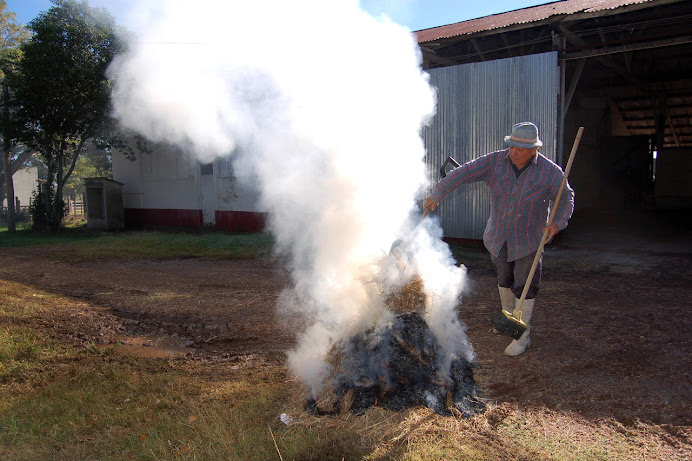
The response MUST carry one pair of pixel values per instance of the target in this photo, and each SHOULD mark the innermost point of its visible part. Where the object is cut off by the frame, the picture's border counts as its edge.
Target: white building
(168, 187)
(24, 185)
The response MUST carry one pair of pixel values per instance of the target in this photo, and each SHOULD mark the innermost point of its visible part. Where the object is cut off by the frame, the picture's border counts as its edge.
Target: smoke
(323, 104)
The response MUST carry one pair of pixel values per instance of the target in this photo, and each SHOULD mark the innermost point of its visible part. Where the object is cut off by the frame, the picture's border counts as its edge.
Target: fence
(75, 208)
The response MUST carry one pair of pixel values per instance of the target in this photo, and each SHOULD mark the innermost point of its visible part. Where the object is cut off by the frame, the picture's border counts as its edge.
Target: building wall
(24, 185)
(673, 179)
(478, 104)
(169, 187)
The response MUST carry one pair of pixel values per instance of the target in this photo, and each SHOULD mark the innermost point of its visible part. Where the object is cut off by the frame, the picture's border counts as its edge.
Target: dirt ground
(612, 332)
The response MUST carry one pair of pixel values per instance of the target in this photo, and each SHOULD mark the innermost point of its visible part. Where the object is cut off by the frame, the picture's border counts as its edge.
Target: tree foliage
(92, 163)
(62, 92)
(12, 35)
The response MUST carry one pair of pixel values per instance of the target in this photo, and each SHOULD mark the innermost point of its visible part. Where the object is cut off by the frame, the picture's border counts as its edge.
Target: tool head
(508, 325)
(397, 246)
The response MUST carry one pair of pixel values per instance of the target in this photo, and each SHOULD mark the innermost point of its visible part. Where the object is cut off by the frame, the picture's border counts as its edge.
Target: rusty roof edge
(485, 17)
(431, 44)
(635, 5)
(587, 11)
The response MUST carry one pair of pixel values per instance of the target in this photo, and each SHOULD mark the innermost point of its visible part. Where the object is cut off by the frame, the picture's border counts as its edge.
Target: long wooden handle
(553, 211)
(426, 212)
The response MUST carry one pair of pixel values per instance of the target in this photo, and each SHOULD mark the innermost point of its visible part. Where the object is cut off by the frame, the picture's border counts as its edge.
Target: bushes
(40, 207)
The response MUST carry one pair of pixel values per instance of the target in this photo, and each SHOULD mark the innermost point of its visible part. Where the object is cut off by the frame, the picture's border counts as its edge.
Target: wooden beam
(606, 61)
(607, 50)
(644, 118)
(433, 57)
(672, 128)
(573, 84)
(478, 50)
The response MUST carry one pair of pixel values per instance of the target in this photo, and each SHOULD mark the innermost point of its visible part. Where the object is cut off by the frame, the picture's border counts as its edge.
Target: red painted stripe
(141, 217)
(232, 221)
(240, 221)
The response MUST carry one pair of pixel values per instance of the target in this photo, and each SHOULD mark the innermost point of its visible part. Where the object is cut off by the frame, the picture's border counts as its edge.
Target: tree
(91, 164)
(11, 36)
(62, 92)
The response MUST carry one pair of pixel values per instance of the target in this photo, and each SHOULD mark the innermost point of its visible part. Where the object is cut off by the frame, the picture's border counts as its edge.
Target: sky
(413, 14)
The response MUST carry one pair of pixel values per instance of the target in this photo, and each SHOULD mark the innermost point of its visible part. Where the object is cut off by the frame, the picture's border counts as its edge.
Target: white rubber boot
(518, 346)
(507, 300)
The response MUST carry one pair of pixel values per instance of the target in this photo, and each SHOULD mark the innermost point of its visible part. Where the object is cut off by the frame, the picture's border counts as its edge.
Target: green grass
(77, 242)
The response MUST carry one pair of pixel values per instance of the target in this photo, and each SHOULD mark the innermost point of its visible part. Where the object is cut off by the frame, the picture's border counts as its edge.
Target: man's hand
(551, 230)
(430, 204)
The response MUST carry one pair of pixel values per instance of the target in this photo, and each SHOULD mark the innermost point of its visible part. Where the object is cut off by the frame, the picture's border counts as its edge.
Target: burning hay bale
(396, 366)
(410, 298)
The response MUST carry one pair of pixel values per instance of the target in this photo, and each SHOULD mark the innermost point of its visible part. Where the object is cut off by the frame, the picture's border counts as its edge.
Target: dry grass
(504, 432)
(67, 401)
(410, 298)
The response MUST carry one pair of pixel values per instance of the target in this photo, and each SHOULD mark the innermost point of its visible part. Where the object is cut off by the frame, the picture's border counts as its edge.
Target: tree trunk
(2, 182)
(75, 157)
(49, 197)
(62, 176)
(9, 188)
(58, 204)
(56, 212)
(7, 162)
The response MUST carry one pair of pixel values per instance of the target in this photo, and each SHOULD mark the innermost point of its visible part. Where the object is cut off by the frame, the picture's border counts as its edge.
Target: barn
(619, 68)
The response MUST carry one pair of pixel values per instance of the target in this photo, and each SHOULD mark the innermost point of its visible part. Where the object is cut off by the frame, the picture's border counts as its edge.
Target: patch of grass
(20, 226)
(24, 236)
(20, 350)
(113, 408)
(79, 243)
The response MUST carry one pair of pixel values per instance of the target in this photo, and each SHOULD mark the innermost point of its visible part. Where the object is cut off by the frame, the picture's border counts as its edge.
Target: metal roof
(521, 16)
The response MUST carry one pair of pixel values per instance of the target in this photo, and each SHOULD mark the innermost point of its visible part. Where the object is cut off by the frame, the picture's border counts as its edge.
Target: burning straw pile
(410, 298)
(396, 365)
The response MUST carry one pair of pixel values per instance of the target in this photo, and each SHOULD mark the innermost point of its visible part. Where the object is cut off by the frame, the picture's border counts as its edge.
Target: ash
(396, 366)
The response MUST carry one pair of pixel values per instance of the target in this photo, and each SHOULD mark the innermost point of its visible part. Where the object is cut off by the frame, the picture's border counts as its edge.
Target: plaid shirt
(519, 206)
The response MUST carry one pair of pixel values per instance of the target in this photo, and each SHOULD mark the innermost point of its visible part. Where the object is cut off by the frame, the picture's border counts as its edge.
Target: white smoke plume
(324, 105)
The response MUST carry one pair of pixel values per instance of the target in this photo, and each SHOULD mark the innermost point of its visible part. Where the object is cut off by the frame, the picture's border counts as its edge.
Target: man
(523, 184)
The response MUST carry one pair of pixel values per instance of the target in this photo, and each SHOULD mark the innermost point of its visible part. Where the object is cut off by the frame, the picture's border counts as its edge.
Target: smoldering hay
(323, 105)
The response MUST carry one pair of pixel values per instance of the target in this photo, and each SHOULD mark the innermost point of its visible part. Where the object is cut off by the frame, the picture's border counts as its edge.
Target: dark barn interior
(626, 76)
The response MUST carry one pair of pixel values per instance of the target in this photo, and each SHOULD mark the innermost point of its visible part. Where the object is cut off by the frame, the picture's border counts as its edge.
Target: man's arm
(473, 171)
(430, 204)
(564, 211)
(565, 207)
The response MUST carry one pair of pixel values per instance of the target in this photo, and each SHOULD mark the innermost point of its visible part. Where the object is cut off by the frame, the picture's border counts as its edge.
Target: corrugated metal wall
(477, 106)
